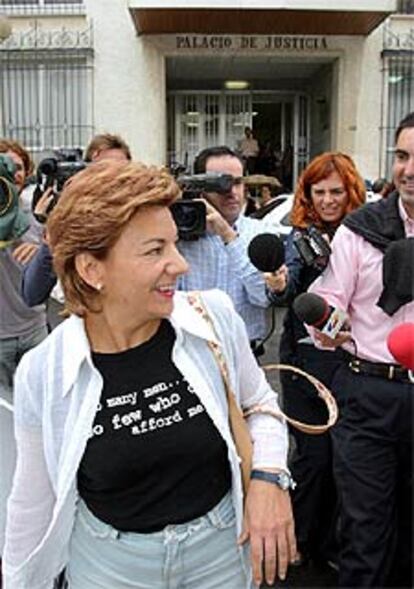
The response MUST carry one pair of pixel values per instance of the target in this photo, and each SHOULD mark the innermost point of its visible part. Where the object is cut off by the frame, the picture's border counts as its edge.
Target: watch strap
(273, 477)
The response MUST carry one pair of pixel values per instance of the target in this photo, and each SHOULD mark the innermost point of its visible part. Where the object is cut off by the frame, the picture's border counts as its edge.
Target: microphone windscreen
(266, 252)
(311, 308)
(400, 342)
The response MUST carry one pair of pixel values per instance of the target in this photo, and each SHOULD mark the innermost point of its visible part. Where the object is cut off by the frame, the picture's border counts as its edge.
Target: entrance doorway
(280, 122)
(273, 127)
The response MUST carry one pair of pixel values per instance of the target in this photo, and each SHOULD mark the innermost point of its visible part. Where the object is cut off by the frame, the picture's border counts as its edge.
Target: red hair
(303, 212)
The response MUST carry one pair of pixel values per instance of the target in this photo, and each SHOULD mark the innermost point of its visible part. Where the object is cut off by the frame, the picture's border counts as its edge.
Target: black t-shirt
(155, 457)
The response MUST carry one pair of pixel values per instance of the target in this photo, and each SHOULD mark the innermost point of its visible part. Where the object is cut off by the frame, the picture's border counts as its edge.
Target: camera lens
(48, 166)
(190, 218)
(186, 217)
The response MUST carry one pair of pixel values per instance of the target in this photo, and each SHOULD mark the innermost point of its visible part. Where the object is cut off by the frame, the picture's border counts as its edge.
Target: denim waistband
(219, 516)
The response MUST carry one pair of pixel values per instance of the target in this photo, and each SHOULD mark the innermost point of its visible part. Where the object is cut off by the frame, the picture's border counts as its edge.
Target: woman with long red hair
(328, 189)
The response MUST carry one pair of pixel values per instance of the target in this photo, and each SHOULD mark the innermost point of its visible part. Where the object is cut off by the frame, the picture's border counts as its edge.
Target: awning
(259, 17)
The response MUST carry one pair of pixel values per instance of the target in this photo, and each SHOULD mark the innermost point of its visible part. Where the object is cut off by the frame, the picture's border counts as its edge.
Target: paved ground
(310, 574)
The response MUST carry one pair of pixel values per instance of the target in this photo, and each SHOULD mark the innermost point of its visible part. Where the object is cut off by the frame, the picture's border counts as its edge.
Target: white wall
(129, 76)
(356, 119)
(322, 105)
(369, 116)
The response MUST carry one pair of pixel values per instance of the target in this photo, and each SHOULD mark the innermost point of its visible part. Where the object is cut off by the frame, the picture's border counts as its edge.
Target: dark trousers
(315, 498)
(372, 445)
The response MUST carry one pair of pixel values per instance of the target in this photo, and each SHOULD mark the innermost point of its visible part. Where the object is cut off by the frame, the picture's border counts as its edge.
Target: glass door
(201, 120)
(237, 116)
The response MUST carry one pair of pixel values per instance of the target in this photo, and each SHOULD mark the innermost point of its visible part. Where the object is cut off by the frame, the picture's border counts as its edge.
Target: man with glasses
(220, 259)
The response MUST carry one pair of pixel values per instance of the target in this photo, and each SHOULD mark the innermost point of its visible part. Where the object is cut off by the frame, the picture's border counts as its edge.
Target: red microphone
(400, 342)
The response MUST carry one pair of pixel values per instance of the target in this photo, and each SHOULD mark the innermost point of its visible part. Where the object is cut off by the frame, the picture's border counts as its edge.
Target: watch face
(284, 481)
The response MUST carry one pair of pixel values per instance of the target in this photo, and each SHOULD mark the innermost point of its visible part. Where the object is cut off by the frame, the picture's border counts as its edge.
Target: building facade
(173, 77)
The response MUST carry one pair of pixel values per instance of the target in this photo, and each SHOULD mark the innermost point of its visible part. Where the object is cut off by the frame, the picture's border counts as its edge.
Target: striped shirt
(227, 267)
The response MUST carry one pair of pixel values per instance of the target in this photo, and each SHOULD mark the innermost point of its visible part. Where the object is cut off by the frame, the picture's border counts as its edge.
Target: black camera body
(54, 172)
(189, 213)
(312, 247)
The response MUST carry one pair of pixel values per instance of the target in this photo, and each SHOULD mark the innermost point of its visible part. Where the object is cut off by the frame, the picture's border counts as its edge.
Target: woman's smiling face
(139, 273)
(330, 198)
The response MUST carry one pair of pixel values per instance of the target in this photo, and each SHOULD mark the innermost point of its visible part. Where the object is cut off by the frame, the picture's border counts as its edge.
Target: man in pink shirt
(370, 276)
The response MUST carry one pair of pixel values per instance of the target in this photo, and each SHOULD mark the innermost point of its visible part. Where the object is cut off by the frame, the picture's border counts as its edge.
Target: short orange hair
(303, 214)
(93, 208)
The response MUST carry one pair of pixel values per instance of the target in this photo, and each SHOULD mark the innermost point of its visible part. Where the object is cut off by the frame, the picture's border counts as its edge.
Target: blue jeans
(201, 554)
(11, 351)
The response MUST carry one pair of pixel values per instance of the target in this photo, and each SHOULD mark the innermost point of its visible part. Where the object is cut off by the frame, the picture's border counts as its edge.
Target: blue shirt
(227, 267)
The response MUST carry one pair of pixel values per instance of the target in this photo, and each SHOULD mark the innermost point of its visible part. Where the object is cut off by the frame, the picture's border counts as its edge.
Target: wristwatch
(282, 479)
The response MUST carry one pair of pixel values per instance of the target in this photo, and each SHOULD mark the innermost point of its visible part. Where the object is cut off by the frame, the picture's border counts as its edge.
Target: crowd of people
(119, 466)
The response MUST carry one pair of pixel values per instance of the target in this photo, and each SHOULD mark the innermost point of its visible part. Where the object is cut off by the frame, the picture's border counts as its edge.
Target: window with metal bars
(35, 7)
(46, 103)
(18, 3)
(405, 7)
(398, 98)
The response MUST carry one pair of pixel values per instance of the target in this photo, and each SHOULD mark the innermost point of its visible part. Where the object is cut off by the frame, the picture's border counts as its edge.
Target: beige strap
(324, 393)
(238, 425)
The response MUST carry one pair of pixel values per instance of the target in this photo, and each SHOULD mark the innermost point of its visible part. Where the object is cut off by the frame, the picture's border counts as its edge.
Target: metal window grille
(42, 7)
(46, 86)
(405, 7)
(398, 89)
(202, 119)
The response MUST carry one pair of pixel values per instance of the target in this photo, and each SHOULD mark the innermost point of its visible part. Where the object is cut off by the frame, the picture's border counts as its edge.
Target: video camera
(312, 247)
(54, 172)
(190, 214)
(13, 221)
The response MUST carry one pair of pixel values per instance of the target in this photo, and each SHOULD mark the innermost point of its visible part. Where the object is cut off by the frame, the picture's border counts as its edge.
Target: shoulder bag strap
(324, 393)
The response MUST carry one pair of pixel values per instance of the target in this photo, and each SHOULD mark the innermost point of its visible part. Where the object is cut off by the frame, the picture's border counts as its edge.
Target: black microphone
(266, 252)
(313, 310)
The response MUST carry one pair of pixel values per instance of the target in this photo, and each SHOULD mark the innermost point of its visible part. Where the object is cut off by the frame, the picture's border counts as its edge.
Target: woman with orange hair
(327, 190)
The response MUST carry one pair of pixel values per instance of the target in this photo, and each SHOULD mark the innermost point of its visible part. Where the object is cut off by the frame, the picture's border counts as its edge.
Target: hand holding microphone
(330, 322)
(267, 254)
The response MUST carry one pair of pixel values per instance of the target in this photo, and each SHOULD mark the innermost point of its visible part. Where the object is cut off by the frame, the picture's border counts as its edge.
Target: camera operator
(219, 259)
(21, 328)
(370, 276)
(328, 188)
(39, 278)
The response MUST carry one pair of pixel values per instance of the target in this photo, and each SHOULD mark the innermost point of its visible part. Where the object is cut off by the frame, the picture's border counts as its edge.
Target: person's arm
(29, 244)
(268, 521)
(251, 278)
(293, 284)
(38, 278)
(31, 501)
(338, 282)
